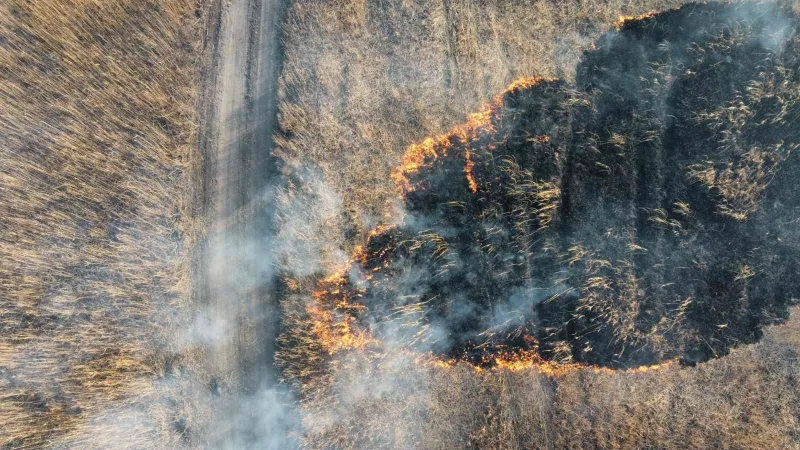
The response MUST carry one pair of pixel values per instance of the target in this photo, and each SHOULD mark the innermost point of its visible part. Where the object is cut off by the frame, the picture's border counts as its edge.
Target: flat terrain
(364, 80)
(144, 235)
(361, 82)
(97, 173)
(234, 271)
(134, 264)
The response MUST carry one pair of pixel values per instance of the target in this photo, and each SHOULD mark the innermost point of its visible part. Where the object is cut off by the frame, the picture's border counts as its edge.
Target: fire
(653, 368)
(336, 310)
(432, 362)
(333, 318)
(333, 314)
(337, 335)
(473, 185)
(418, 156)
(520, 84)
(620, 22)
(426, 153)
(334, 326)
(530, 360)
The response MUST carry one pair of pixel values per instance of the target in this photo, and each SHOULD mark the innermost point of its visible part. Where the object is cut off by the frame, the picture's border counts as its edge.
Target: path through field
(234, 272)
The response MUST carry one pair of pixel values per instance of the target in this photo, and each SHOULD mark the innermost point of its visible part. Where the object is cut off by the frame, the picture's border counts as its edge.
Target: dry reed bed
(97, 151)
(747, 400)
(362, 80)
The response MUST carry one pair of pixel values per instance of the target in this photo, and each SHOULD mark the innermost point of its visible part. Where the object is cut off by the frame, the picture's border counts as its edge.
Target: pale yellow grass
(97, 155)
(363, 80)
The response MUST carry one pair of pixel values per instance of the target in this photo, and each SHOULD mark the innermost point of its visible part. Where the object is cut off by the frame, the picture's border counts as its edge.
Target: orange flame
(332, 314)
(332, 317)
(473, 185)
(529, 360)
(336, 335)
(620, 22)
(424, 154)
(418, 156)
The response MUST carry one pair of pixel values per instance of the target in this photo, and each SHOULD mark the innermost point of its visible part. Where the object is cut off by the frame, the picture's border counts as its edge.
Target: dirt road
(233, 272)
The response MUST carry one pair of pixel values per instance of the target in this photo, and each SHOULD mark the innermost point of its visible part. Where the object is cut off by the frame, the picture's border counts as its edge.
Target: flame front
(426, 153)
(620, 22)
(333, 317)
(335, 311)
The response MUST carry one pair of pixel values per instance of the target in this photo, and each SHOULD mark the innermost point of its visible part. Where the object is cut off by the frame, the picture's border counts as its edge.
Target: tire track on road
(233, 276)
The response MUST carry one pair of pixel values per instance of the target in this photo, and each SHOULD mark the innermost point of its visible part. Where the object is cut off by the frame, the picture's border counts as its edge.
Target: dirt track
(233, 272)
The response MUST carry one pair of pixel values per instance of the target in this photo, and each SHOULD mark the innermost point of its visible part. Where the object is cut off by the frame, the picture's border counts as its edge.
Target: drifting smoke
(646, 213)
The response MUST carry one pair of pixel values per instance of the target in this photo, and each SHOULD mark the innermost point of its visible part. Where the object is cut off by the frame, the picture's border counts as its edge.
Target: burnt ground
(647, 212)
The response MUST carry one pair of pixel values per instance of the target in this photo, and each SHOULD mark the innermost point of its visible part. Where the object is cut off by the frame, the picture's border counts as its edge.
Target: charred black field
(647, 212)
(399, 224)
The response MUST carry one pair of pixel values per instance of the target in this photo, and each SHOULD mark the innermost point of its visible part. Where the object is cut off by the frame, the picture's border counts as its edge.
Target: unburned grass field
(97, 159)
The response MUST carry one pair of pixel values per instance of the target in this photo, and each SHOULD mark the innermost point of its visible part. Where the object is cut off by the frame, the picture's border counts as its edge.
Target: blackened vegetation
(647, 213)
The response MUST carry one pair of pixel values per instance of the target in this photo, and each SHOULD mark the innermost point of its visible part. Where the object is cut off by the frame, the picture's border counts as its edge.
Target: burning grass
(364, 81)
(546, 227)
(561, 252)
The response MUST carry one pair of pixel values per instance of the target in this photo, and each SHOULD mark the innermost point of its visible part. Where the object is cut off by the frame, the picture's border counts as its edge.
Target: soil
(232, 274)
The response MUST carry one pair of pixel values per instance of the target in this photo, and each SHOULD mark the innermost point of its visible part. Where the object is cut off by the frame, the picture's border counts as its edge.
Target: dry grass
(97, 154)
(747, 400)
(364, 80)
